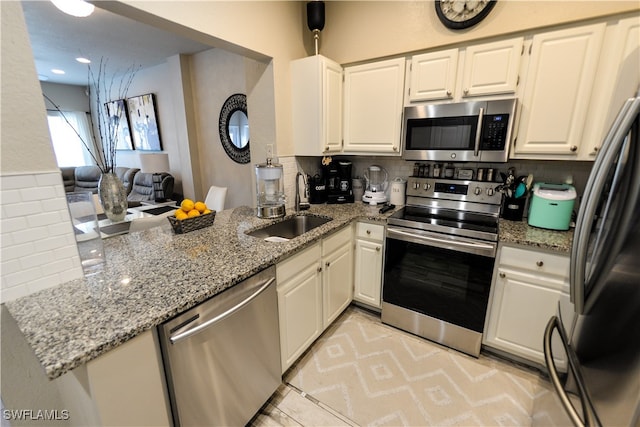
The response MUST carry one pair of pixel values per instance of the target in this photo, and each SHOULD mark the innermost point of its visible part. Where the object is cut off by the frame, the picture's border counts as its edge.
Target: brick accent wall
(38, 245)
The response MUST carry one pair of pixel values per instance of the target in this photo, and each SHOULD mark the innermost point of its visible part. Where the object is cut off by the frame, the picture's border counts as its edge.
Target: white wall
(66, 97)
(363, 30)
(38, 244)
(218, 74)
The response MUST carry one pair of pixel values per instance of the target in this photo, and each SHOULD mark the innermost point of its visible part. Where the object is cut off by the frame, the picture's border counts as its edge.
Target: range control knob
(477, 191)
(489, 192)
(426, 186)
(416, 185)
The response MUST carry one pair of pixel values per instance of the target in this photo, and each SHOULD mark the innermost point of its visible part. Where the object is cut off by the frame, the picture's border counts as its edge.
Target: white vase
(113, 196)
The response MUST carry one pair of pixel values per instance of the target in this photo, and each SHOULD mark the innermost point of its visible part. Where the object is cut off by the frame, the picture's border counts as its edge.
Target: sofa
(139, 186)
(143, 188)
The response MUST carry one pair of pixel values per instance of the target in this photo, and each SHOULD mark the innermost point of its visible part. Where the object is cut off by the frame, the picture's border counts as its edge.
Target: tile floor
(362, 372)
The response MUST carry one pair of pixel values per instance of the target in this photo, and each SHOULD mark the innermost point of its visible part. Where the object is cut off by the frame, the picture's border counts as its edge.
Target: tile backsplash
(38, 245)
(550, 171)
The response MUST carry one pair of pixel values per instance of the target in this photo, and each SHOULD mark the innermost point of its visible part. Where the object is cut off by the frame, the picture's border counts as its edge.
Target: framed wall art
(143, 122)
(119, 123)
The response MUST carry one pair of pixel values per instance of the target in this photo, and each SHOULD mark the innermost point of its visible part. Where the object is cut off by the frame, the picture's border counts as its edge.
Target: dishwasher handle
(189, 332)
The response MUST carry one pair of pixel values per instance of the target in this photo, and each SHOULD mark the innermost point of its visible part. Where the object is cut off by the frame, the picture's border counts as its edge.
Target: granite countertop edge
(142, 285)
(154, 275)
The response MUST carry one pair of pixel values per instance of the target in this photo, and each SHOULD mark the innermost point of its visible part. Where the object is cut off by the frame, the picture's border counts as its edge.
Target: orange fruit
(187, 205)
(180, 214)
(206, 211)
(200, 207)
(192, 213)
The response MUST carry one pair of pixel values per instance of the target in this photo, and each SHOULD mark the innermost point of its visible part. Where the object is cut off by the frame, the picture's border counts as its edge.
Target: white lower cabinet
(527, 287)
(368, 263)
(314, 287)
(337, 274)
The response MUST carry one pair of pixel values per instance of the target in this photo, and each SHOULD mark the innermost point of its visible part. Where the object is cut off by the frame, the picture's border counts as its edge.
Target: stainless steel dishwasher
(222, 357)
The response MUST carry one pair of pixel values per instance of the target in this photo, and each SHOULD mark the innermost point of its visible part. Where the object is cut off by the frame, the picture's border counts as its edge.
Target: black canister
(317, 189)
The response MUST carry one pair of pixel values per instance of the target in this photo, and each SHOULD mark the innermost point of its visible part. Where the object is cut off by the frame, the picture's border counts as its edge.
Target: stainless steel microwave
(474, 131)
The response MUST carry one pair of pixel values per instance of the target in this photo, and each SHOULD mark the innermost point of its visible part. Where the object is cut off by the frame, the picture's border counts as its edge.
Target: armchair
(127, 176)
(87, 178)
(143, 188)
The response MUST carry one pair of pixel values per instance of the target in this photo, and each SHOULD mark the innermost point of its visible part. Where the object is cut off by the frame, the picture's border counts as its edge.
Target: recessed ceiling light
(57, 71)
(83, 60)
(79, 8)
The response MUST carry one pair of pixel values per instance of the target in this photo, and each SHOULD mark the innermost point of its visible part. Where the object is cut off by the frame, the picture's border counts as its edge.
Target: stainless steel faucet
(301, 206)
(297, 198)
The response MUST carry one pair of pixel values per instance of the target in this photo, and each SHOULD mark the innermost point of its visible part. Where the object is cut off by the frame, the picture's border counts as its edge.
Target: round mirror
(234, 128)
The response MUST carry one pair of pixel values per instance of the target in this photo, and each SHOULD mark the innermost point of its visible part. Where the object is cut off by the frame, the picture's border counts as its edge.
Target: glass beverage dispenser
(270, 190)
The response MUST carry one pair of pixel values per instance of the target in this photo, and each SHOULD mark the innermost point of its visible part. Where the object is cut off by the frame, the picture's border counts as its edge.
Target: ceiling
(57, 39)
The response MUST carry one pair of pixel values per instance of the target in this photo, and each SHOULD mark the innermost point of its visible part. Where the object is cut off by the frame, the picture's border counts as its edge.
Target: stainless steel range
(439, 257)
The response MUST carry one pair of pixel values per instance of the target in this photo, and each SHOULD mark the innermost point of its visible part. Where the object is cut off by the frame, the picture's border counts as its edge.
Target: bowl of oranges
(191, 216)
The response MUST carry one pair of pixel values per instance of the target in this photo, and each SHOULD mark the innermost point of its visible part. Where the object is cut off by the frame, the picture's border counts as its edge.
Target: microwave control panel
(459, 190)
(494, 131)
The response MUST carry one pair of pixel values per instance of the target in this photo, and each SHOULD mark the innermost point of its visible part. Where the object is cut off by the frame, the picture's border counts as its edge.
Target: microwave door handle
(476, 149)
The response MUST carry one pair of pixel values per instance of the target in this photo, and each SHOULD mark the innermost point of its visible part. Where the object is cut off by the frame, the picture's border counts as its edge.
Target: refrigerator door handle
(611, 147)
(591, 418)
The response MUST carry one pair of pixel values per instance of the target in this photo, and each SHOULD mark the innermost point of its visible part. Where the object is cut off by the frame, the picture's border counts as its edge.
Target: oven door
(441, 277)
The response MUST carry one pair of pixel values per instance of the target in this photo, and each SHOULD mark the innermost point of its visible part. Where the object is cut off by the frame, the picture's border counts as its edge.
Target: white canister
(398, 190)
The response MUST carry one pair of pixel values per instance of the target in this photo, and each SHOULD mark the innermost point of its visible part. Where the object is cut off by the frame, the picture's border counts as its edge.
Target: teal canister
(551, 206)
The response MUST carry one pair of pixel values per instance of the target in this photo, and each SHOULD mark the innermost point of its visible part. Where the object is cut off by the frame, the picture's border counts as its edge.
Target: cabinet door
(300, 313)
(520, 308)
(368, 272)
(332, 107)
(558, 90)
(617, 79)
(373, 107)
(337, 282)
(433, 75)
(492, 68)
(316, 98)
(299, 303)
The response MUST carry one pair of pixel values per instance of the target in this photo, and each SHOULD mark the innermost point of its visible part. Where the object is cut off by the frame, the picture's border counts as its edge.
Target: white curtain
(68, 147)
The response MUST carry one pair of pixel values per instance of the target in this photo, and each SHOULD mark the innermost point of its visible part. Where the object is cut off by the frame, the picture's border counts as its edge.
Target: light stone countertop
(154, 275)
(521, 233)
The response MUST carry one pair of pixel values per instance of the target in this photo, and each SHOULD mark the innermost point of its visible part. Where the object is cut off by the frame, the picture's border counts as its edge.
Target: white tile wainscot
(38, 246)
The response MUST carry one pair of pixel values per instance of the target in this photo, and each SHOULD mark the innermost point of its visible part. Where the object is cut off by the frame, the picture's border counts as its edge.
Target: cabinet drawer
(336, 240)
(536, 261)
(296, 263)
(366, 230)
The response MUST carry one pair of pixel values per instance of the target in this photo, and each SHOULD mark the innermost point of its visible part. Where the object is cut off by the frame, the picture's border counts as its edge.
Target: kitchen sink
(290, 227)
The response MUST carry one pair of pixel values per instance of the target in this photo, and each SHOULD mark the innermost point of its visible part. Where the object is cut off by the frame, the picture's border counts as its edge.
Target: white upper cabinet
(316, 97)
(617, 79)
(557, 91)
(492, 68)
(433, 75)
(373, 101)
(484, 69)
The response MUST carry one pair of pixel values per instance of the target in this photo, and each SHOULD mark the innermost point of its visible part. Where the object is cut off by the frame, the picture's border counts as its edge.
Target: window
(68, 147)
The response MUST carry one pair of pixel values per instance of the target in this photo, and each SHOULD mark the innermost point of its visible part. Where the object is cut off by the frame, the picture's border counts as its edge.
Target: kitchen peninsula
(154, 275)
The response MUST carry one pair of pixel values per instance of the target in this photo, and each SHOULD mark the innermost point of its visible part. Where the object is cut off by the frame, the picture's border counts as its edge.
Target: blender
(376, 189)
(270, 190)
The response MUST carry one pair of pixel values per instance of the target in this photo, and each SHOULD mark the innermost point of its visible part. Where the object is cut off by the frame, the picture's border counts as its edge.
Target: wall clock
(461, 14)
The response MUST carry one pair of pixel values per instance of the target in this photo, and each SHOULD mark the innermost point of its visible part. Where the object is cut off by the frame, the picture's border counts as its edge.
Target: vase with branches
(102, 150)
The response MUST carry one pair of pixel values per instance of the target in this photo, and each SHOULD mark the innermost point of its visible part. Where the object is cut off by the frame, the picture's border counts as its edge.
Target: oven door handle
(430, 239)
(476, 149)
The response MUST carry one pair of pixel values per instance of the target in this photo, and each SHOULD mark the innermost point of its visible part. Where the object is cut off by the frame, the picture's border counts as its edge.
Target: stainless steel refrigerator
(602, 339)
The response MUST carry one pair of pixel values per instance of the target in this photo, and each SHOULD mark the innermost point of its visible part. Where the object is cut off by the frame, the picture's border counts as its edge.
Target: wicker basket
(181, 226)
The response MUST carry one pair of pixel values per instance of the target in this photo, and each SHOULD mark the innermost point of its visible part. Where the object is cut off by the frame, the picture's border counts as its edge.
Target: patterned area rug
(377, 375)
